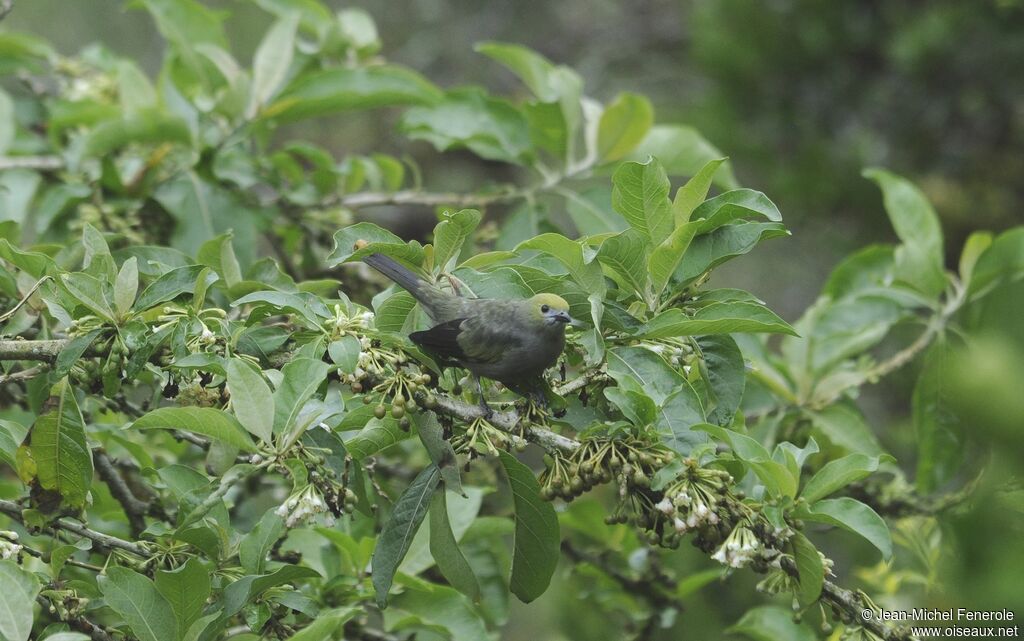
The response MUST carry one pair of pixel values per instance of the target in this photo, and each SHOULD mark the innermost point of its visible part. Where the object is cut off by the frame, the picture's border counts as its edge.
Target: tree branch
(13, 510)
(134, 508)
(42, 163)
(508, 421)
(22, 350)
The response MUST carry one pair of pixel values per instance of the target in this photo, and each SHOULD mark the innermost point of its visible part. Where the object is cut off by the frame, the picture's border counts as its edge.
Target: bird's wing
(467, 340)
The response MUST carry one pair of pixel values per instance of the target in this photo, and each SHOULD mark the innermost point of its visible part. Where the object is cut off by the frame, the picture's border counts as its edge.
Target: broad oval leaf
(251, 399)
(18, 590)
(854, 516)
(140, 604)
(837, 474)
(207, 421)
(537, 538)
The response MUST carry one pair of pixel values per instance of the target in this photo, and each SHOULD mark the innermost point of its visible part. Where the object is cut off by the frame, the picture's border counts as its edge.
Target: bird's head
(550, 309)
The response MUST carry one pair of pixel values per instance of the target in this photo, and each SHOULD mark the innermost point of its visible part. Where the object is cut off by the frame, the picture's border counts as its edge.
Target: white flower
(666, 506)
(9, 549)
(680, 525)
(739, 548)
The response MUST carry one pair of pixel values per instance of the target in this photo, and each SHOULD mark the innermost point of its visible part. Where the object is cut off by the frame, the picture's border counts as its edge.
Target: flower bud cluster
(740, 548)
(343, 323)
(306, 504)
(630, 461)
(677, 353)
(9, 548)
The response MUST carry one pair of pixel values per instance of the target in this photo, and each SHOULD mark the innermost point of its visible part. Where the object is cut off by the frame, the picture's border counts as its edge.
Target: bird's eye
(544, 309)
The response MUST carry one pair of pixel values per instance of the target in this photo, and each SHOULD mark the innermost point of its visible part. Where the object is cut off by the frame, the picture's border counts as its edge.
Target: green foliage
(224, 407)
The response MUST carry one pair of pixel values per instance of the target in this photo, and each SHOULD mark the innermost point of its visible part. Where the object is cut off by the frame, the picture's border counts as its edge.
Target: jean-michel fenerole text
(951, 614)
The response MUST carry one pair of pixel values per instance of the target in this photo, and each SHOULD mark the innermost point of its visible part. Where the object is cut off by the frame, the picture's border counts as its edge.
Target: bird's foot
(486, 409)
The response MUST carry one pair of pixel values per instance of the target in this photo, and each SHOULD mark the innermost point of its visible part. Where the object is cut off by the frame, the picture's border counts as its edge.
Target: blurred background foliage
(801, 94)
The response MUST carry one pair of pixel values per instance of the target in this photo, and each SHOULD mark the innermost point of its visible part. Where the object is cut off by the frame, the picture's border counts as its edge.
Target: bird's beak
(563, 317)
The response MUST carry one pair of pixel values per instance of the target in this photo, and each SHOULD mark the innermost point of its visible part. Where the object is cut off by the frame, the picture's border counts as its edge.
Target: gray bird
(507, 340)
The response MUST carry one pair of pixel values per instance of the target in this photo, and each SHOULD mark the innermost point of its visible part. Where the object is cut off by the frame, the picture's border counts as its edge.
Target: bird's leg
(484, 407)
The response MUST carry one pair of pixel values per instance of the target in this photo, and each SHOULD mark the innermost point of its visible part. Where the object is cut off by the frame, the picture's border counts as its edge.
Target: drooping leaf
(59, 447)
(716, 318)
(810, 567)
(537, 538)
(398, 532)
(445, 550)
(772, 623)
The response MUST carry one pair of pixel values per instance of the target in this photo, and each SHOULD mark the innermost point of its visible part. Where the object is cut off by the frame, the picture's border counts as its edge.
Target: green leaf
(451, 233)
(253, 550)
(126, 286)
(140, 604)
(341, 89)
(844, 425)
(641, 370)
(271, 62)
(837, 474)
(723, 244)
(626, 255)
(445, 550)
(468, 118)
(219, 255)
(716, 318)
(18, 590)
(726, 376)
(772, 623)
(533, 69)
(665, 257)
(1002, 261)
(207, 421)
(677, 417)
(398, 532)
(591, 211)
(975, 245)
(638, 408)
(170, 285)
(186, 590)
(380, 240)
(693, 193)
(251, 399)
(437, 608)
(300, 378)
(144, 127)
(854, 516)
(939, 428)
(537, 539)
(90, 292)
(640, 194)
(569, 253)
(734, 205)
(326, 625)
(245, 589)
(776, 477)
(623, 125)
(683, 152)
(59, 447)
(919, 260)
(376, 436)
(11, 436)
(8, 125)
(810, 567)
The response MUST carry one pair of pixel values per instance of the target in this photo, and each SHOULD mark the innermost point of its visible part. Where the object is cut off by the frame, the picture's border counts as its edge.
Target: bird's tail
(396, 272)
